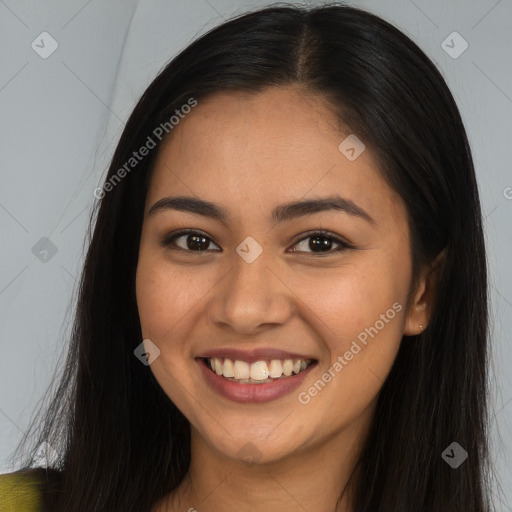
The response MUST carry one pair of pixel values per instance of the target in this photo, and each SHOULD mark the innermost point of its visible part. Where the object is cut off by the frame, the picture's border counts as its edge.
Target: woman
(284, 301)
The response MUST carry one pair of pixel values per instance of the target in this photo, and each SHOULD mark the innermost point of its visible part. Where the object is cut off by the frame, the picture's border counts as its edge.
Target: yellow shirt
(19, 493)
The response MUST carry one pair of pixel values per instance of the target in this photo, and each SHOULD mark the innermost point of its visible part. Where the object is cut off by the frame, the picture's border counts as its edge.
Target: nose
(250, 298)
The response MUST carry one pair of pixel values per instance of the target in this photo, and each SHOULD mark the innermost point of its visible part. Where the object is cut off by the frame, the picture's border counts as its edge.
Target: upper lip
(251, 356)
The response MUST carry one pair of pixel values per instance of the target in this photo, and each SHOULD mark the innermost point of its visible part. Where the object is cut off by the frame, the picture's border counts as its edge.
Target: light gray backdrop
(70, 74)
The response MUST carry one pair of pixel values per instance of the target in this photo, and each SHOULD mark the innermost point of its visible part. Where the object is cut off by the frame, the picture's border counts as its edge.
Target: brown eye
(321, 243)
(193, 241)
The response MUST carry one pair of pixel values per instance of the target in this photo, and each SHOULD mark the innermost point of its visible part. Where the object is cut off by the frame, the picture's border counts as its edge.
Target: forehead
(252, 151)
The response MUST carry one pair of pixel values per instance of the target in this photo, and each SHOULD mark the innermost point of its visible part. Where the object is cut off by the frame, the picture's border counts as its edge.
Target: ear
(418, 315)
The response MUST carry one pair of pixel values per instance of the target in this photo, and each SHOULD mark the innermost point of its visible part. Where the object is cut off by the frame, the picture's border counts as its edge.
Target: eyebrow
(281, 213)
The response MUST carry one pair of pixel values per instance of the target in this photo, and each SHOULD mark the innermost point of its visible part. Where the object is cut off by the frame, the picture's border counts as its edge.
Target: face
(261, 279)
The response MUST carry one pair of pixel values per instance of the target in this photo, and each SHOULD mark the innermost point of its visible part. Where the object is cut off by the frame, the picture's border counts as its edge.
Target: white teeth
(287, 367)
(258, 371)
(228, 370)
(241, 370)
(276, 368)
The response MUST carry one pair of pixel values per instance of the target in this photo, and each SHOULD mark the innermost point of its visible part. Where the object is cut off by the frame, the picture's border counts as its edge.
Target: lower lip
(253, 392)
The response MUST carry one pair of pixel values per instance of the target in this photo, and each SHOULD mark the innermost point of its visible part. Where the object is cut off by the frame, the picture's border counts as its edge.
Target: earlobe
(418, 316)
(418, 310)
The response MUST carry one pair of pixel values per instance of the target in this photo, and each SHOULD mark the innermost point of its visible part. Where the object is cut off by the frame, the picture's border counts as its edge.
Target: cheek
(170, 305)
(152, 300)
(164, 296)
(354, 298)
(360, 314)
(360, 357)
(163, 301)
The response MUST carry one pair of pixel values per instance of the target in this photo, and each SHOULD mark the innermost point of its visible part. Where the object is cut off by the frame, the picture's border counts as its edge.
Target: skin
(248, 154)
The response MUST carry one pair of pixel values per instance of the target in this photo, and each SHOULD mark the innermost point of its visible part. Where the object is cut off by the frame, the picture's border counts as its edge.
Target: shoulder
(19, 492)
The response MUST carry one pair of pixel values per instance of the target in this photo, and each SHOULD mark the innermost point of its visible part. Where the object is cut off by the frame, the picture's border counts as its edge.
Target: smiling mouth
(258, 372)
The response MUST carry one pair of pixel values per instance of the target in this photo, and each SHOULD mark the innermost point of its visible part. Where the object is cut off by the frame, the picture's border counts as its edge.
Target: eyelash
(168, 240)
